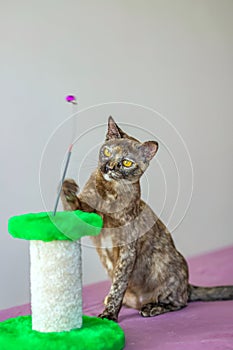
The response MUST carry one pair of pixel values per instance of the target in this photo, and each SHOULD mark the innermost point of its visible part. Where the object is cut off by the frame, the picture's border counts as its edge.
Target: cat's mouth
(110, 175)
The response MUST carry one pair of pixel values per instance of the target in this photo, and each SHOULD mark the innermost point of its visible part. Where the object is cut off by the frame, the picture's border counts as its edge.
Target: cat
(135, 247)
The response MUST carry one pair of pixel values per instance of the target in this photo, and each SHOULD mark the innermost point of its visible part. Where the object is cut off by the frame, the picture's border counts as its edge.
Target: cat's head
(122, 157)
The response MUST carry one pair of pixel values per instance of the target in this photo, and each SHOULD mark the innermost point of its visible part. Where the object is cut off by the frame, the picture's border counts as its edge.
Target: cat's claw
(109, 316)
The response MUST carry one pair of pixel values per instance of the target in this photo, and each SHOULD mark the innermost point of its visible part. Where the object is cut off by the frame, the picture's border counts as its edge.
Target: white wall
(173, 56)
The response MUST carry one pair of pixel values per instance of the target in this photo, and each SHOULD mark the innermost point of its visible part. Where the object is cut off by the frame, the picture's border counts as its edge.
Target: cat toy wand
(70, 99)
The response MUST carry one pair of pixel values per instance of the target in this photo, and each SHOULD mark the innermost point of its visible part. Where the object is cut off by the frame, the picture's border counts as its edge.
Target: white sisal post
(56, 285)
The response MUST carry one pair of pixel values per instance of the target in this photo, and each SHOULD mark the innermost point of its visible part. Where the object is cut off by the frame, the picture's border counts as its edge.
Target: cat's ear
(114, 132)
(149, 149)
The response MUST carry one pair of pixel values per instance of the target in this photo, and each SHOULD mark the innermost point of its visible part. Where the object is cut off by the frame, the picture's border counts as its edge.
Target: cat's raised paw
(69, 189)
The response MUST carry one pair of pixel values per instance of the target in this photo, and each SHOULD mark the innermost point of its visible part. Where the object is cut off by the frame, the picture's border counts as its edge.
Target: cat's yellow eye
(107, 153)
(127, 163)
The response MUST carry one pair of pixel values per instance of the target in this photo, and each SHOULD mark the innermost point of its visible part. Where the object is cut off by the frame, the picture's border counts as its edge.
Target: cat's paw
(109, 316)
(69, 189)
(146, 310)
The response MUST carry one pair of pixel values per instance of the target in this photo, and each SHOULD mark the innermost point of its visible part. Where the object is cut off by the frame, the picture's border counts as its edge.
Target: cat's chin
(107, 177)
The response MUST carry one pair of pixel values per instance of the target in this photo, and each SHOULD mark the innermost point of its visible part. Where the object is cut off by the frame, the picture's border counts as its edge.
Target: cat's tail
(197, 293)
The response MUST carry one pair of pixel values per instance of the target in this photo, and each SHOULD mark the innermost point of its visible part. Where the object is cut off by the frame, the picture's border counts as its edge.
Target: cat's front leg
(122, 273)
(69, 197)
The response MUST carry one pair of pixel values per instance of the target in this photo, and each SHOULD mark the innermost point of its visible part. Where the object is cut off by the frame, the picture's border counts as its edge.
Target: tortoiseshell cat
(135, 247)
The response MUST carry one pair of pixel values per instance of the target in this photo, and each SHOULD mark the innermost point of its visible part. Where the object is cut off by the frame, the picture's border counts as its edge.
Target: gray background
(172, 56)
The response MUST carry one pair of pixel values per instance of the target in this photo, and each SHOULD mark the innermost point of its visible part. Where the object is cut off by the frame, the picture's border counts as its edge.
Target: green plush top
(95, 334)
(66, 225)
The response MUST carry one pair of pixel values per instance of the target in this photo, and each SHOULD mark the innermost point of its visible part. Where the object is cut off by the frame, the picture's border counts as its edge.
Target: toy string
(63, 178)
(67, 161)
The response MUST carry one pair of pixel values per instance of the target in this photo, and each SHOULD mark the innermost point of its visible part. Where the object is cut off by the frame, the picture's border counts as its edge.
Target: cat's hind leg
(155, 309)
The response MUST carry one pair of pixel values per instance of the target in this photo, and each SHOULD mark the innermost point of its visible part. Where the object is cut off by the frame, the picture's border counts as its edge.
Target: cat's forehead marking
(121, 146)
(118, 149)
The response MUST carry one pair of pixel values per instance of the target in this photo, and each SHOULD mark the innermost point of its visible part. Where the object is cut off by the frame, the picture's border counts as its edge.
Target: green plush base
(65, 225)
(17, 334)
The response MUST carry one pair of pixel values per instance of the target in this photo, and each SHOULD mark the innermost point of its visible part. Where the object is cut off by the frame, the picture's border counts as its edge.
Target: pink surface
(200, 326)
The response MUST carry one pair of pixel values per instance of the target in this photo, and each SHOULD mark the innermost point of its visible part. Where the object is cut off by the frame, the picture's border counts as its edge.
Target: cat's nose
(109, 166)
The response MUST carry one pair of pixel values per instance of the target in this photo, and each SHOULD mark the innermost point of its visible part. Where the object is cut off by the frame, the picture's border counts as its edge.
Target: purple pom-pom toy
(71, 99)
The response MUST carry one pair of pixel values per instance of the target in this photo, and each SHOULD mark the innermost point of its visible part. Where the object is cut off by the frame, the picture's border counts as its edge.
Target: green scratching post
(56, 265)
(57, 319)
